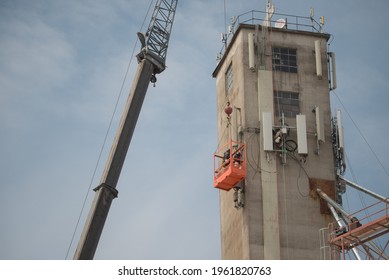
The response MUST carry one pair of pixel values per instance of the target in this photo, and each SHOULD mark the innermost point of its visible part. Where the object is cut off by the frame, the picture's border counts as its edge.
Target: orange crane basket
(229, 165)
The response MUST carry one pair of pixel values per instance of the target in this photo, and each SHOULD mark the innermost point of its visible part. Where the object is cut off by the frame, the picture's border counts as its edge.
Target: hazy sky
(62, 64)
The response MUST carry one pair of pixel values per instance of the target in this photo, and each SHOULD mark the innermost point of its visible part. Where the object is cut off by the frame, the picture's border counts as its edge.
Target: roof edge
(271, 29)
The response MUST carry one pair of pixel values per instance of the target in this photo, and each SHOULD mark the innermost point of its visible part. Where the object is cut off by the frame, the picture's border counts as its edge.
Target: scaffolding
(361, 234)
(360, 231)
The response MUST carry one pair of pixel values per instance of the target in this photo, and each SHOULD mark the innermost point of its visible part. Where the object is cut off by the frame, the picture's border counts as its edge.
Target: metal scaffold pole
(362, 189)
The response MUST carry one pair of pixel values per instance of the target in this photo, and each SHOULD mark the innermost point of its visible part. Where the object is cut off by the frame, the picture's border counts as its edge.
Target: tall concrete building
(273, 96)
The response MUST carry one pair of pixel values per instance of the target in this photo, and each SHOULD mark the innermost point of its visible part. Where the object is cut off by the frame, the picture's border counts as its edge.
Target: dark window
(287, 103)
(229, 79)
(285, 59)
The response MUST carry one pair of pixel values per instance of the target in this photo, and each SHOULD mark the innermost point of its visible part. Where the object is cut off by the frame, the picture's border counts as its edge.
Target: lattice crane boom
(156, 40)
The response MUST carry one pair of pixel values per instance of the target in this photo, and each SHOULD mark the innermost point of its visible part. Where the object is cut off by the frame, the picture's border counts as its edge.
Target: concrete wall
(293, 226)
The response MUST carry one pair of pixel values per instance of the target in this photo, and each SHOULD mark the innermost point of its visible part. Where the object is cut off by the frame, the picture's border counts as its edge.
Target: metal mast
(151, 60)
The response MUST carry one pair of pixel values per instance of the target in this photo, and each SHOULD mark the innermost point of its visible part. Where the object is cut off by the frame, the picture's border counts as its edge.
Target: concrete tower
(274, 76)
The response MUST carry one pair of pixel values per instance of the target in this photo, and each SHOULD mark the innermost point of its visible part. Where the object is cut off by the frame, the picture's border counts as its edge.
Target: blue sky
(62, 64)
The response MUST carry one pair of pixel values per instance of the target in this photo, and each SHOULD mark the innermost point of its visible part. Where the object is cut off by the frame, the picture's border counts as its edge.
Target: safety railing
(278, 20)
(366, 225)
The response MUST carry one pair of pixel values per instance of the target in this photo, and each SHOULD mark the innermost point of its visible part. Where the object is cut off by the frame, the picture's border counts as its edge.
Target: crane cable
(107, 133)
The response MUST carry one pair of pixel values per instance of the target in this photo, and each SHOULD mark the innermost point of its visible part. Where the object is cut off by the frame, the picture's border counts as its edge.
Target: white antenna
(231, 27)
(319, 124)
(302, 143)
(251, 52)
(333, 72)
(340, 130)
(312, 12)
(319, 70)
(320, 136)
(270, 10)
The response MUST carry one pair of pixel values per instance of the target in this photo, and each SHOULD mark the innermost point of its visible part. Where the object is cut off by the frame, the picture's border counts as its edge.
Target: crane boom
(158, 32)
(151, 60)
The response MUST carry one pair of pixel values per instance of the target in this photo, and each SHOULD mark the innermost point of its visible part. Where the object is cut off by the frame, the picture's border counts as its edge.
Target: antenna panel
(267, 131)
(319, 125)
(333, 66)
(251, 52)
(302, 144)
(319, 70)
(340, 129)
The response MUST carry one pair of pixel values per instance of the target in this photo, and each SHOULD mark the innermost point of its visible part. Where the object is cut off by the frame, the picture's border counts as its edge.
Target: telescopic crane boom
(151, 59)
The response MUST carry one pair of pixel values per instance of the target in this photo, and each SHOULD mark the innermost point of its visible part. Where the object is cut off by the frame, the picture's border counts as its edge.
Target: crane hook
(153, 79)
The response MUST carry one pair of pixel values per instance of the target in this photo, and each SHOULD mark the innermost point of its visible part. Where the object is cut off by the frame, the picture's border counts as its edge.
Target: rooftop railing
(278, 20)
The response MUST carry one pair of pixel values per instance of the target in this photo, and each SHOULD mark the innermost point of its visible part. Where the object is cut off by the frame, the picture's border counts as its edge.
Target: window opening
(285, 60)
(287, 103)
(229, 79)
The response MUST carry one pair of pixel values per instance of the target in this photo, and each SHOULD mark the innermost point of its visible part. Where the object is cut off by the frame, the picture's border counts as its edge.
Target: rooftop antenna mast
(270, 10)
(151, 58)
